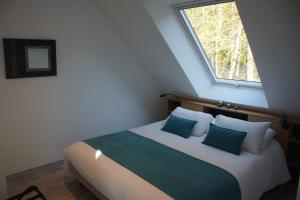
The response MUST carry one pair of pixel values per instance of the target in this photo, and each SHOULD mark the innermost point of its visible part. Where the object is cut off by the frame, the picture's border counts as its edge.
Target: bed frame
(211, 107)
(77, 176)
(241, 113)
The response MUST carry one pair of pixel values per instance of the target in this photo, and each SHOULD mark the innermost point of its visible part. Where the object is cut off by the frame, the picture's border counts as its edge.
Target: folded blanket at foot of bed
(177, 174)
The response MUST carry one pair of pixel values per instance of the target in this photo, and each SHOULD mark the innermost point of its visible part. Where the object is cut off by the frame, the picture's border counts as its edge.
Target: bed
(107, 179)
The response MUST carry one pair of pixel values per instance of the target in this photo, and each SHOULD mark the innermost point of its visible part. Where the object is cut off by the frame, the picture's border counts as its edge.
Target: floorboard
(50, 180)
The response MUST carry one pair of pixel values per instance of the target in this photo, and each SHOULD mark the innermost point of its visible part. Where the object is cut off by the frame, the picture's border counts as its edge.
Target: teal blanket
(177, 174)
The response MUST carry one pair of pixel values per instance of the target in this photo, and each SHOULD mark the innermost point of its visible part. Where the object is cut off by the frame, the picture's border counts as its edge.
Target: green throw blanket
(177, 174)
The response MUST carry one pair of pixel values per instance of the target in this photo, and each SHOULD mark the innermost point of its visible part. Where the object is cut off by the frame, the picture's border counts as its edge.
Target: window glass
(219, 30)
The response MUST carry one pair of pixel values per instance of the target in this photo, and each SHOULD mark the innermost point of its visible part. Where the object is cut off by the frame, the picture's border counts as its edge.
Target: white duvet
(256, 174)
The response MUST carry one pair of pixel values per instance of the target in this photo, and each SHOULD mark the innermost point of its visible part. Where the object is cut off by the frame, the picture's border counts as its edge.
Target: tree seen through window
(222, 37)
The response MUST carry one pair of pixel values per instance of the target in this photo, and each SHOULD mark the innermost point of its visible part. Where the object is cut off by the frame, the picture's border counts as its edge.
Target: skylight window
(219, 35)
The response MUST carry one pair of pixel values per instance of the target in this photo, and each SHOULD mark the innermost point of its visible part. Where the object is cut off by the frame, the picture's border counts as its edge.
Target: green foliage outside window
(222, 36)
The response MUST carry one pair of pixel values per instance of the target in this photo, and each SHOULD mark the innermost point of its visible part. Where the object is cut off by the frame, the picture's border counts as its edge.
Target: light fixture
(283, 121)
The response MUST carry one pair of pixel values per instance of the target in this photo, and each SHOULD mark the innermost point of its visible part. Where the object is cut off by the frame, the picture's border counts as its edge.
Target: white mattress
(256, 174)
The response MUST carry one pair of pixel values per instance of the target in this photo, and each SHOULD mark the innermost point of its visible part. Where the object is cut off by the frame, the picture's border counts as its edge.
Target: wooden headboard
(255, 116)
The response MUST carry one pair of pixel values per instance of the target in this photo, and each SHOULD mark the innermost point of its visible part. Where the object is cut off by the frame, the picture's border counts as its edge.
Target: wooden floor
(50, 180)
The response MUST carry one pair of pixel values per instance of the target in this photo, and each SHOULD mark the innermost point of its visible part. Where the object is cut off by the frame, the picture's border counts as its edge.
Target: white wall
(100, 86)
(273, 32)
(3, 191)
(272, 29)
(159, 43)
(137, 30)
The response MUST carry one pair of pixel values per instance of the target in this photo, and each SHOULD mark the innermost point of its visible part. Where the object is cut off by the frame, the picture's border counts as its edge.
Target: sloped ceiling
(193, 64)
(130, 19)
(272, 29)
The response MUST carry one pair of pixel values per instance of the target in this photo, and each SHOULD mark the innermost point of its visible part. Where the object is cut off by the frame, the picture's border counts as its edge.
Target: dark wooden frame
(16, 60)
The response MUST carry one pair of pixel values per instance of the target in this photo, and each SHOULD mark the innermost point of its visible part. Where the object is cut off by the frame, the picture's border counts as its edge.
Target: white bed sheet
(256, 174)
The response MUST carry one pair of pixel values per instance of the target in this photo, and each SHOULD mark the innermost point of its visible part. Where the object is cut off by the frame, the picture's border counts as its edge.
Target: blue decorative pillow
(225, 139)
(179, 126)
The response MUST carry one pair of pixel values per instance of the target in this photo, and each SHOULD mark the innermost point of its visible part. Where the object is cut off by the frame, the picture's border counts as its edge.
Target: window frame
(179, 8)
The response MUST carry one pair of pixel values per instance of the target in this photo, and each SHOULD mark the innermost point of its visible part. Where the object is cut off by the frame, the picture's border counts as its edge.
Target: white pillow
(203, 119)
(256, 131)
(268, 137)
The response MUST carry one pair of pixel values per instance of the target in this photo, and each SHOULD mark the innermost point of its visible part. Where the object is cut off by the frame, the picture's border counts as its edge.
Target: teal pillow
(179, 126)
(225, 139)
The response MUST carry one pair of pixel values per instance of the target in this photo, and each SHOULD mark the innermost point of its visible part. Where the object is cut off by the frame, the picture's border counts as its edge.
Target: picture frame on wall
(29, 58)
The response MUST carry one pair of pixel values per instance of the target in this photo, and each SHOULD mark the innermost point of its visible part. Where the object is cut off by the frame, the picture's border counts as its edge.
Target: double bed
(108, 179)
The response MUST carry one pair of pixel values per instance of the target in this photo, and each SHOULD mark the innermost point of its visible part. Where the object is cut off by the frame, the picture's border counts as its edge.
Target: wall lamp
(283, 121)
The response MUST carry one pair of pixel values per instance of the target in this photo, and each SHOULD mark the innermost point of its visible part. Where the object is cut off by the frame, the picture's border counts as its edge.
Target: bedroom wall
(3, 192)
(169, 57)
(100, 87)
(137, 30)
(170, 27)
(273, 33)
